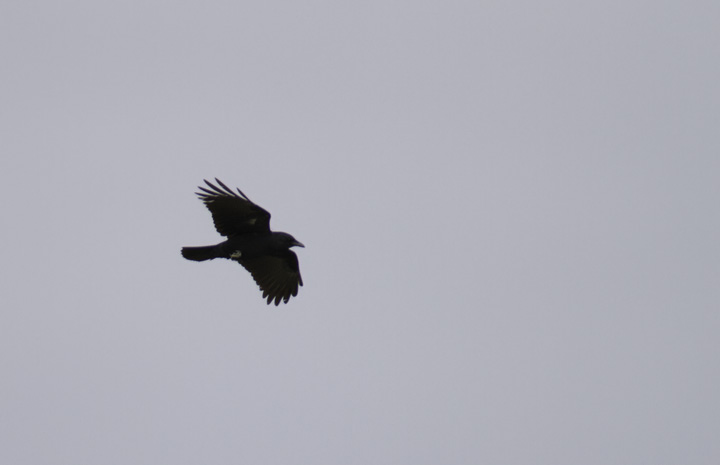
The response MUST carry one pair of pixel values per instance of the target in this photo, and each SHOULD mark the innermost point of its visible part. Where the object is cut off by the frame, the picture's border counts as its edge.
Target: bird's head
(288, 240)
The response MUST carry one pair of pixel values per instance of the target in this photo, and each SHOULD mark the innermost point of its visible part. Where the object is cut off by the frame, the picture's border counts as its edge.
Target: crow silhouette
(250, 242)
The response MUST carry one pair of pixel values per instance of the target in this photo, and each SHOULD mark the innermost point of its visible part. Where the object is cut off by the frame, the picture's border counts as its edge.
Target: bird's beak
(298, 244)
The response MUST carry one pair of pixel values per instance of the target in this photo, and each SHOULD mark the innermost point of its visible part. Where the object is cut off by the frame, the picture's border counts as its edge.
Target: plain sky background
(510, 211)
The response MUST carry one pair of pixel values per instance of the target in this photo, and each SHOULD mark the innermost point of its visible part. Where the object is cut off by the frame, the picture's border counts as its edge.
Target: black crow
(264, 253)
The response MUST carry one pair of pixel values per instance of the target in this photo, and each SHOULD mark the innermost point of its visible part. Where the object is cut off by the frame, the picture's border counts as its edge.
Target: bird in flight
(264, 253)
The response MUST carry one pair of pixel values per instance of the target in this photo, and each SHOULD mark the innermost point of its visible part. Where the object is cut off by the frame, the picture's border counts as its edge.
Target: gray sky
(510, 211)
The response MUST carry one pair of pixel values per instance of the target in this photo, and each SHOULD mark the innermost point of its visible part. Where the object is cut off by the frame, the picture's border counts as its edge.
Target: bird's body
(264, 253)
(246, 247)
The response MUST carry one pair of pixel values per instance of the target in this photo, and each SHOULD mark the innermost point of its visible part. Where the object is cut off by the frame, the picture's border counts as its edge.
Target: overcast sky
(510, 212)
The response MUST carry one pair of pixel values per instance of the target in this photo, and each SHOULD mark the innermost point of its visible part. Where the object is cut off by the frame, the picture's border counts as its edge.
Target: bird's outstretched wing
(277, 275)
(233, 214)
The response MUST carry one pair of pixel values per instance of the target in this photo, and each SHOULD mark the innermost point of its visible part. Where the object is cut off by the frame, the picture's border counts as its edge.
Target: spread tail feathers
(199, 254)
